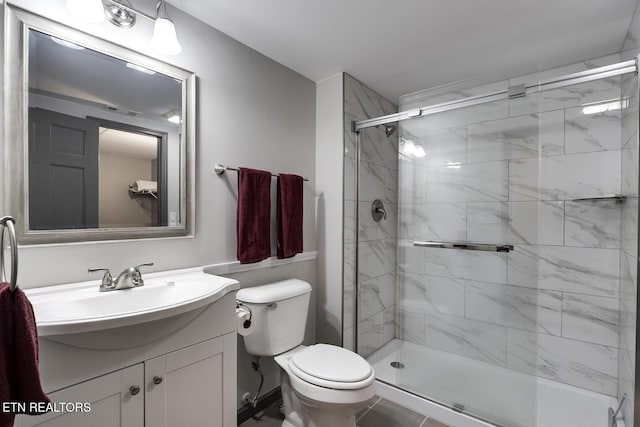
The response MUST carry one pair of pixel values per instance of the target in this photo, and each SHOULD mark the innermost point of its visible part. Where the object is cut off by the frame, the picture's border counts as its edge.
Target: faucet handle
(137, 279)
(146, 264)
(107, 279)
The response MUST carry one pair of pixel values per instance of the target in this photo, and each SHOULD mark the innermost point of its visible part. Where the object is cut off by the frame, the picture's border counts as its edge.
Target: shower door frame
(517, 91)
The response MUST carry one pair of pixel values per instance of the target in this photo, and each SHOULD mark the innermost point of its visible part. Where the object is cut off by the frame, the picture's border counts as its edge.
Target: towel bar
(8, 223)
(221, 169)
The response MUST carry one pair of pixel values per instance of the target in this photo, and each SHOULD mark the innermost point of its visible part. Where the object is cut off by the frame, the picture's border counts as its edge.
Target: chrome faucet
(129, 278)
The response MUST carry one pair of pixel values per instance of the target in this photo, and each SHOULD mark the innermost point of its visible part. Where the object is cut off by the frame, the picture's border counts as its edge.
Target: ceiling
(128, 144)
(402, 46)
(85, 76)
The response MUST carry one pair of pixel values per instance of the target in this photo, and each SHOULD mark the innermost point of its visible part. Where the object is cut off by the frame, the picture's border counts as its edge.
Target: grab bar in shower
(464, 246)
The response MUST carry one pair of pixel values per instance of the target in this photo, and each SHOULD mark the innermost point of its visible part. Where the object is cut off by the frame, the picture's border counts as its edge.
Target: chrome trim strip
(555, 83)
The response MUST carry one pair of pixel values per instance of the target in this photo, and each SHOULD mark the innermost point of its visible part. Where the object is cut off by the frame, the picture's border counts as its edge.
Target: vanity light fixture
(122, 14)
(164, 37)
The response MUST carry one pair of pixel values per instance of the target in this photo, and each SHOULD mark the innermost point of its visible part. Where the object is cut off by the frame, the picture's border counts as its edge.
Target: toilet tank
(279, 312)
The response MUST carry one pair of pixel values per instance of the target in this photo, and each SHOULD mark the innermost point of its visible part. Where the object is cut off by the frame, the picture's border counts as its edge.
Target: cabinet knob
(157, 379)
(134, 389)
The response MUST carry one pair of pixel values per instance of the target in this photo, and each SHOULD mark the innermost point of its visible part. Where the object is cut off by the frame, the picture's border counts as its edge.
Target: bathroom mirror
(100, 139)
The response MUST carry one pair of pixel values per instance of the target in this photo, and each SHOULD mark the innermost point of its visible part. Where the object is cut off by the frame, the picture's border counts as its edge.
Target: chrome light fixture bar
(122, 14)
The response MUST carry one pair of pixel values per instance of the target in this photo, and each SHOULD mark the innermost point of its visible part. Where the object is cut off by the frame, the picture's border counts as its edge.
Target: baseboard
(267, 399)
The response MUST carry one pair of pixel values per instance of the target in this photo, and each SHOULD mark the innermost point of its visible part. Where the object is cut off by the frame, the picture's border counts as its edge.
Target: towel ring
(8, 223)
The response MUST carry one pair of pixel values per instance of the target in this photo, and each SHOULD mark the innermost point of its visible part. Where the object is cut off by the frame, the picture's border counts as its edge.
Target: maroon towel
(289, 215)
(253, 226)
(19, 376)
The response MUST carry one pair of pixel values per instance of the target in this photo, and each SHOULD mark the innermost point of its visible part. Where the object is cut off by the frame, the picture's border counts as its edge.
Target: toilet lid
(332, 367)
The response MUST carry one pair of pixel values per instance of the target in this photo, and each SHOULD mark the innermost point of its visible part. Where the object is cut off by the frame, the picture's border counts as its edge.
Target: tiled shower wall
(377, 241)
(509, 172)
(629, 246)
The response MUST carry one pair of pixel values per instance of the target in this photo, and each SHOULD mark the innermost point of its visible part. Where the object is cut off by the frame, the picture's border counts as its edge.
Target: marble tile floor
(384, 413)
(381, 413)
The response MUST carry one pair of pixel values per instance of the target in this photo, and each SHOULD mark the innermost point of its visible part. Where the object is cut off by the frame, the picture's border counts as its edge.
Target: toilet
(322, 385)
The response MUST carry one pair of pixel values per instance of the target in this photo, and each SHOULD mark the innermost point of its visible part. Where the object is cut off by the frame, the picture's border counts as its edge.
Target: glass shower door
(515, 284)
(453, 306)
(462, 324)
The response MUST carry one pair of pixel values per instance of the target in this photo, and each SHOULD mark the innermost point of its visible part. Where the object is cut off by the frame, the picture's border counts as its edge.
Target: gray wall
(252, 112)
(329, 164)
(115, 207)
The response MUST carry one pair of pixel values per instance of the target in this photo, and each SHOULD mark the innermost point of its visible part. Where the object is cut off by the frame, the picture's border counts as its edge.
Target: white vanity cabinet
(112, 402)
(187, 387)
(171, 372)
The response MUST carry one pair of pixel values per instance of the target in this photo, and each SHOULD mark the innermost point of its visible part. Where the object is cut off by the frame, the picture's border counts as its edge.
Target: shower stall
(491, 238)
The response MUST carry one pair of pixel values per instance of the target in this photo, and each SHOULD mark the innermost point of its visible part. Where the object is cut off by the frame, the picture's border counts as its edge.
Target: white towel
(142, 185)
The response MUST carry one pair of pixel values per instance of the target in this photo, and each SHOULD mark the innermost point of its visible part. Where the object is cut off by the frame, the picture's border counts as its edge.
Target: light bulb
(91, 11)
(164, 39)
(419, 151)
(408, 148)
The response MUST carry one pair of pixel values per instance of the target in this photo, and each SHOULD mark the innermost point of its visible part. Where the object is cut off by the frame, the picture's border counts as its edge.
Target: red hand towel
(19, 376)
(289, 215)
(253, 226)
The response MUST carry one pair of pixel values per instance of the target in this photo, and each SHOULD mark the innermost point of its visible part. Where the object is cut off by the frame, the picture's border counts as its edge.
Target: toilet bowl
(322, 385)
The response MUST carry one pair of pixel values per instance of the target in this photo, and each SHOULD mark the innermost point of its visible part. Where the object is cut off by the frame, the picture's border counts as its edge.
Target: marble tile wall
(376, 241)
(560, 304)
(628, 247)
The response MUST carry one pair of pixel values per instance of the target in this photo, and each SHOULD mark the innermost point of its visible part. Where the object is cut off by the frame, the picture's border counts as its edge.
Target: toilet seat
(332, 367)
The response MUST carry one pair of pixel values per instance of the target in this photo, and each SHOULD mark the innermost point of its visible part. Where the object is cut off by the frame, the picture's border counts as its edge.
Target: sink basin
(80, 307)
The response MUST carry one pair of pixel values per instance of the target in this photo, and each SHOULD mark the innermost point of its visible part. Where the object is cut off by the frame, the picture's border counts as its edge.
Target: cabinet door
(188, 387)
(111, 399)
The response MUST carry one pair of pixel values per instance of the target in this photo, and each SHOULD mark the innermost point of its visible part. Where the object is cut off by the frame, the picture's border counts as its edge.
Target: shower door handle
(464, 246)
